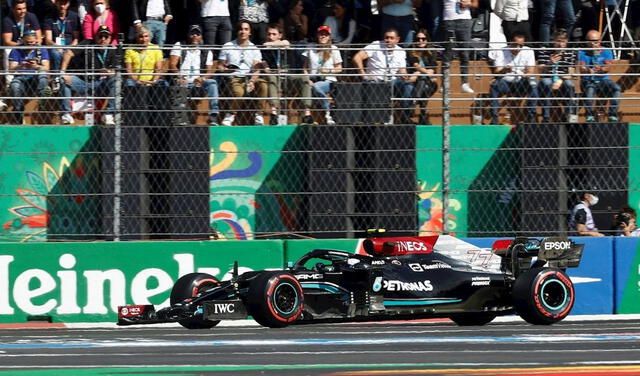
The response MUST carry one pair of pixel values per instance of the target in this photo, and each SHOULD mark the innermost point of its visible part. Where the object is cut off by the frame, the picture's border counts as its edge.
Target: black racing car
(393, 278)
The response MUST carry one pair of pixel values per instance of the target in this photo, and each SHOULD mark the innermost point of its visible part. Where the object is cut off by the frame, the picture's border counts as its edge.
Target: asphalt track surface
(606, 347)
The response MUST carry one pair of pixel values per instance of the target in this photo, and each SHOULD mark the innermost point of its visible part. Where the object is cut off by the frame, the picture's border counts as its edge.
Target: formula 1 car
(388, 278)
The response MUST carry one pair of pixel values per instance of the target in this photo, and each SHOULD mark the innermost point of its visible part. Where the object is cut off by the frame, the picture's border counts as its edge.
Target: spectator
(557, 65)
(581, 219)
(398, 14)
(216, 22)
(625, 222)
(456, 21)
(90, 71)
(295, 24)
(257, 13)
(514, 66)
(245, 60)
(17, 23)
(566, 19)
(62, 31)
(430, 16)
(277, 55)
(30, 66)
(594, 65)
(386, 61)
(100, 14)
(144, 64)
(194, 66)
(515, 17)
(422, 69)
(342, 24)
(154, 15)
(322, 63)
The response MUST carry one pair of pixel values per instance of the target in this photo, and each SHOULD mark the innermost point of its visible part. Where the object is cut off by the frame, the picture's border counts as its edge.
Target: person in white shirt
(216, 21)
(322, 62)
(194, 67)
(515, 17)
(245, 60)
(514, 67)
(386, 61)
(457, 22)
(154, 15)
(581, 220)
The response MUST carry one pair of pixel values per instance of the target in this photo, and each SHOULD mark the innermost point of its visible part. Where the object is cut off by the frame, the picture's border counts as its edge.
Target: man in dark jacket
(154, 15)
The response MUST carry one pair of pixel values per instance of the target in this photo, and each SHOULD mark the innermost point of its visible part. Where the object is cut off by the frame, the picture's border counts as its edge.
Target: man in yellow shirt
(144, 65)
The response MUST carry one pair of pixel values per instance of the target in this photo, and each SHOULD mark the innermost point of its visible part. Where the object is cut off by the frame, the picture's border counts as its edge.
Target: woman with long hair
(422, 67)
(100, 14)
(342, 24)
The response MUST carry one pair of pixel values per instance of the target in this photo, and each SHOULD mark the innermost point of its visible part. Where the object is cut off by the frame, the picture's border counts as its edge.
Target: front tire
(543, 296)
(188, 286)
(275, 299)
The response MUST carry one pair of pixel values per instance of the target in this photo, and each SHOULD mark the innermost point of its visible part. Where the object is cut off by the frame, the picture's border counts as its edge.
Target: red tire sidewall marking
(536, 293)
(272, 285)
(199, 283)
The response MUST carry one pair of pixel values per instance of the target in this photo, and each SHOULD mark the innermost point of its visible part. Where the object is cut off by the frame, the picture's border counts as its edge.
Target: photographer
(624, 222)
(581, 220)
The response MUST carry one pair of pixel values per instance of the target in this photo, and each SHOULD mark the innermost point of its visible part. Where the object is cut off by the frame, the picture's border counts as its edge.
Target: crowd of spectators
(397, 35)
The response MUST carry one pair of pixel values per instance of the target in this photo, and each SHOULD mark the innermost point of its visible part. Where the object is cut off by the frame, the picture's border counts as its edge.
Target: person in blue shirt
(61, 31)
(594, 64)
(29, 67)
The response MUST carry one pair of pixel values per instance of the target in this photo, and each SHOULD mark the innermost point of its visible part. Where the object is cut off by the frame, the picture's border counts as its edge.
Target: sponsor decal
(407, 246)
(378, 262)
(396, 262)
(377, 284)
(480, 281)
(304, 277)
(223, 308)
(393, 285)
(416, 267)
(548, 246)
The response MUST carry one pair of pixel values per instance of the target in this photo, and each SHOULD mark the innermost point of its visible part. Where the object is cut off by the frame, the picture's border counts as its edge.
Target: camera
(622, 219)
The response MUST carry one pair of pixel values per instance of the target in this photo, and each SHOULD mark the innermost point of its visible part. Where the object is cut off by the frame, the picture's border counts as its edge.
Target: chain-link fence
(148, 151)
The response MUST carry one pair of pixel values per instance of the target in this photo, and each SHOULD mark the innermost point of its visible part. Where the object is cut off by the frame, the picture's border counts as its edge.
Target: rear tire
(188, 286)
(275, 299)
(473, 319)
(543, 296)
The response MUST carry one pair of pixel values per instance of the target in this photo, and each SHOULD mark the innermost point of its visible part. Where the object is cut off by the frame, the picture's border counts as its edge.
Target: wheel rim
(554, 294)
(285, 298)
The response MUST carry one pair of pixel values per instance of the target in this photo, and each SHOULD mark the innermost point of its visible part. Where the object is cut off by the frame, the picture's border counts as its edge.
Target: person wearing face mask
(101, 14)
(581, 220)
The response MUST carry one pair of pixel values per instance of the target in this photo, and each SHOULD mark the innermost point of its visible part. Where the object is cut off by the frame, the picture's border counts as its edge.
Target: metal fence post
(446, 86)
(117, 142)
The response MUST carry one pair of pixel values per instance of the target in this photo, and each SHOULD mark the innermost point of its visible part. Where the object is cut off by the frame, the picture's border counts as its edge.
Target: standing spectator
(194, 66)
(515, 17)
(557, 66)
(256, 12)
(581, 219)
(456, 16)
(216, 22)
(64, 30)
(90, 71)
(322, 63)
(386, 62)
(398, 14)
(566, 19)
(342, 24)
(144, 63)
(514, 66)
(422, 74)
(430, 16)
(30, 66)
(245, 59)
(154, 15)
(594, 65)
(100, 14)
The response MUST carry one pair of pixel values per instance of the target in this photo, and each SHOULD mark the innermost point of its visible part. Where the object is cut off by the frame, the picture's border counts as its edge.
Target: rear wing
(524, 253)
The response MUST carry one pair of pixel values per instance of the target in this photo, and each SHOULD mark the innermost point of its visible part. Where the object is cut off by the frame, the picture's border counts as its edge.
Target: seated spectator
(280, 59)
(295, 24)
(625, 222)
(194, 66)
(594, 65)
(144, 64)
(322, 63)
(581, 219)
(90, 72)
(30, 67)
(154, 15)
(244, 59)
(422, 74)
(386, 62)
(100, 14)
(342, 24)
(256, 12)
(557, 66)
(64, 30)
(514, 66)
(456, 21)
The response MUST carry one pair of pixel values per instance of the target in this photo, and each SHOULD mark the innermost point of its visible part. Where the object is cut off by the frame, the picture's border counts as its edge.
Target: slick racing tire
(473, 319)
(275, 299)
(543, 296)
(188, 286)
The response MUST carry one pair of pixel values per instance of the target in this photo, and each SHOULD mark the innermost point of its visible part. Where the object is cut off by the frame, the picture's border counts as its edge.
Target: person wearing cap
(90, 71)
(30, 67)
(62, 31)
(154, 15)
(581, 220)
(194, 68)
(322, 62)
(244, 61)
(144, 63)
